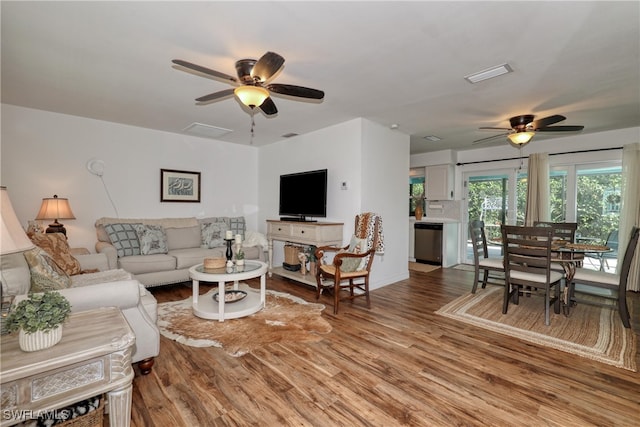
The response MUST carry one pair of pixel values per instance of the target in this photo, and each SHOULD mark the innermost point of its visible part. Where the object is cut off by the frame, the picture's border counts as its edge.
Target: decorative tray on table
(231, 296)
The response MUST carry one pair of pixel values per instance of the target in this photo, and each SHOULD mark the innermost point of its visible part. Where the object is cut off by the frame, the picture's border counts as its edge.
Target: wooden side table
(93, 357)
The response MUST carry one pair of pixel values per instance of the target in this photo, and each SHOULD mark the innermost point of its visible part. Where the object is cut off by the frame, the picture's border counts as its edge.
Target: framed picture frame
(179, 186)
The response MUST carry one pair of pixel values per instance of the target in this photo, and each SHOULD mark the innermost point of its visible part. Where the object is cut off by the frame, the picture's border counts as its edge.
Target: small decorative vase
(419, 212)
(239, 262)
(39, 340)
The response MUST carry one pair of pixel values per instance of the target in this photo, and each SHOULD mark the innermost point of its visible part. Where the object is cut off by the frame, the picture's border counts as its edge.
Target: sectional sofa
(161, 251)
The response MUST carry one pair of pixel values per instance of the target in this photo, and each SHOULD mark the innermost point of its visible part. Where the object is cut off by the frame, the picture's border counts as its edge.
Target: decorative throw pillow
(152, 239)
(57, 247)
(238, 226)
(356, 246)
(124, 238)
(46, 275)
(213, 234)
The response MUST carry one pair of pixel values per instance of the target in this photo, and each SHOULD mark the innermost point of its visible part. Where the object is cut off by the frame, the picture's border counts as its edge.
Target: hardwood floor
(396, 364)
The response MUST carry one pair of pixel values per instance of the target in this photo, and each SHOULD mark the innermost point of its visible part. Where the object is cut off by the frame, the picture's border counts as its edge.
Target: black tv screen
(303, 195)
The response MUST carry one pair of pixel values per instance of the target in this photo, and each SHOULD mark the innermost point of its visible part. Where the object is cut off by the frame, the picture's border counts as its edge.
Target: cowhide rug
(284, 319)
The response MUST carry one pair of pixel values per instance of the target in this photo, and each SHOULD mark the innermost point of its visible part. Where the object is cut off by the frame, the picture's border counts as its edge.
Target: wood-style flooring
(395, 364)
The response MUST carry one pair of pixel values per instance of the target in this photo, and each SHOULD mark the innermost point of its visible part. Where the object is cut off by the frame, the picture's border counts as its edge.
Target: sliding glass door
(496, 197)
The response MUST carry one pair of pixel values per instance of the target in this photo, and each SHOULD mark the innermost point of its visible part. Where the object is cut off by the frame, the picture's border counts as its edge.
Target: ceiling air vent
(289, 135)
(207, 131)
(489, 73)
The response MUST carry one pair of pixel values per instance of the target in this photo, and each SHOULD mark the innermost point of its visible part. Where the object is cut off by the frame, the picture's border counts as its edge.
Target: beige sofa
(105, 288)
(184, 248)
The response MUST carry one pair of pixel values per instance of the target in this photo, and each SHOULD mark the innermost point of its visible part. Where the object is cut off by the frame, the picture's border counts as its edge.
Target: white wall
(45, 153)
(372, 159)
(385, 161)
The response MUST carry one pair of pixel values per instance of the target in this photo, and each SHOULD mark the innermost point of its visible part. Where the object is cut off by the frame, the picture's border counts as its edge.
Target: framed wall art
(179, 186)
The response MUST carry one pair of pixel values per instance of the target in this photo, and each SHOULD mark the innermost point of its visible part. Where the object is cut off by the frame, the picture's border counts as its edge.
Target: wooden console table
(93, 357)
(306, 233)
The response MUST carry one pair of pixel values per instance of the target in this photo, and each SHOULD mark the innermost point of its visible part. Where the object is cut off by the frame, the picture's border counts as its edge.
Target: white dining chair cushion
(584, 275)
(492, 263)
(532, 277)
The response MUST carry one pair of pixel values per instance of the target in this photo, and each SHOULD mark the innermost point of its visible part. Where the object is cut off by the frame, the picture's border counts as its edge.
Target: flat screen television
(303, 195)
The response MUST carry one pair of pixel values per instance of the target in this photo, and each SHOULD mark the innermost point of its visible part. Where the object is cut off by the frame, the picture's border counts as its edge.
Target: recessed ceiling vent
(289, 135)
(432, 138)
(206, 131)
(489, 73)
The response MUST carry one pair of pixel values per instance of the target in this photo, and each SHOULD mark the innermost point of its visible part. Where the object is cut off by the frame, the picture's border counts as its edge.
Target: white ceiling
(391, 62)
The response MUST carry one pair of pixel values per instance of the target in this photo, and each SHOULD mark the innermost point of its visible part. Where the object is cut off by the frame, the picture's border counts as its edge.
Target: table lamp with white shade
(55, 208)
(13, 241)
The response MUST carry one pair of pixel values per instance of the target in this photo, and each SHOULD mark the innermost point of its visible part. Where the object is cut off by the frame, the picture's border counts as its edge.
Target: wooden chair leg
(505, 298)
(623, 309)
(476, 278)
(485, 279)
(366, 291)
(336, 295)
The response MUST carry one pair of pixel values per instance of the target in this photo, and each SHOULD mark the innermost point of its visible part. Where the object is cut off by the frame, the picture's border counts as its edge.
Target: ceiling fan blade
(547, 121)
(267, 66)
(484, 127)
(561, 129)
(215, 96)
(269, 107)
(297, 91)
(487, 139)
(204, 70)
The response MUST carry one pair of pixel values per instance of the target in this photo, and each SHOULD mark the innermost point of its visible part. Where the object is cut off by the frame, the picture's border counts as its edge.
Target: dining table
(564, 254)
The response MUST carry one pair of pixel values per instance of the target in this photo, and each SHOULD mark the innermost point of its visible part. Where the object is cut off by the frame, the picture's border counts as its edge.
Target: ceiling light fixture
(251, 96)
(520, 139)
(489, 73)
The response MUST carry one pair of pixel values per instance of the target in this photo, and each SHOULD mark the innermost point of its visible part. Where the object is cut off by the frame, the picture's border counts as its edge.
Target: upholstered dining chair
(527, 265)
(351, 263)
(615, 282)
(482, 261)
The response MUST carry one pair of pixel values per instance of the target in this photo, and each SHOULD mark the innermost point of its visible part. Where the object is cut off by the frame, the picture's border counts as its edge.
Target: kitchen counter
(435, 220)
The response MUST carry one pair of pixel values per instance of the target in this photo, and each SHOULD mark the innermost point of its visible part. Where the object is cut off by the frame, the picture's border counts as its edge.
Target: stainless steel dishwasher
(428, 243)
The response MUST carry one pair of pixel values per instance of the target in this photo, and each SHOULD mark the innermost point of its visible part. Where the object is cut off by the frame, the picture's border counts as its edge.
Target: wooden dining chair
(527, 265)
(482, 261)
(351, 263)
(614, 282)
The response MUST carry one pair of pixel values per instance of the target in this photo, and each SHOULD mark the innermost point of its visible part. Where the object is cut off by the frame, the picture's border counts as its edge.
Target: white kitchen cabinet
(439, 182)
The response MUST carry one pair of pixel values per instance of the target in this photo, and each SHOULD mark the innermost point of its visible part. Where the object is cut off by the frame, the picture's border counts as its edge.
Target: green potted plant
(39, 320)
(240, 256)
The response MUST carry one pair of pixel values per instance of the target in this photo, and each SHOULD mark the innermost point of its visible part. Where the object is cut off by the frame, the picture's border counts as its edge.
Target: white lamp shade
(12, 236)
(251, 96)
(55, 208)
(520, 138)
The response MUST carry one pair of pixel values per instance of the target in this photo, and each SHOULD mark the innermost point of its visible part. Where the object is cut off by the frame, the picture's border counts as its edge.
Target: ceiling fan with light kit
(253, 88)
(524, 127)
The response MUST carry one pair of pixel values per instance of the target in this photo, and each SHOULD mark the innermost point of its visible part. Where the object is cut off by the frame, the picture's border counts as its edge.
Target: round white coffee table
(207, 307)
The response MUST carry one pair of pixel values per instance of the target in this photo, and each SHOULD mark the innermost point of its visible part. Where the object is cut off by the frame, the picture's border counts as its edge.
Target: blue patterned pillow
(124, 238)
(237, 225)
(152, 238)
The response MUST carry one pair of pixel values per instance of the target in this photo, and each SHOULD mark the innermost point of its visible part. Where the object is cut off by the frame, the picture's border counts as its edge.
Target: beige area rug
(590, 331)
(285, 318)
(423, 268)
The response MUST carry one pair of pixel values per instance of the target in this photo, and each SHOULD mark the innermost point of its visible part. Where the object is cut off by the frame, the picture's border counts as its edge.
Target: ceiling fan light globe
(518, 139)
(251, 96)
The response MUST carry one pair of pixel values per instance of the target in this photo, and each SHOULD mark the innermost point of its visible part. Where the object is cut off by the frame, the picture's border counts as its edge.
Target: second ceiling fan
(524, 127)
(253, 87)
